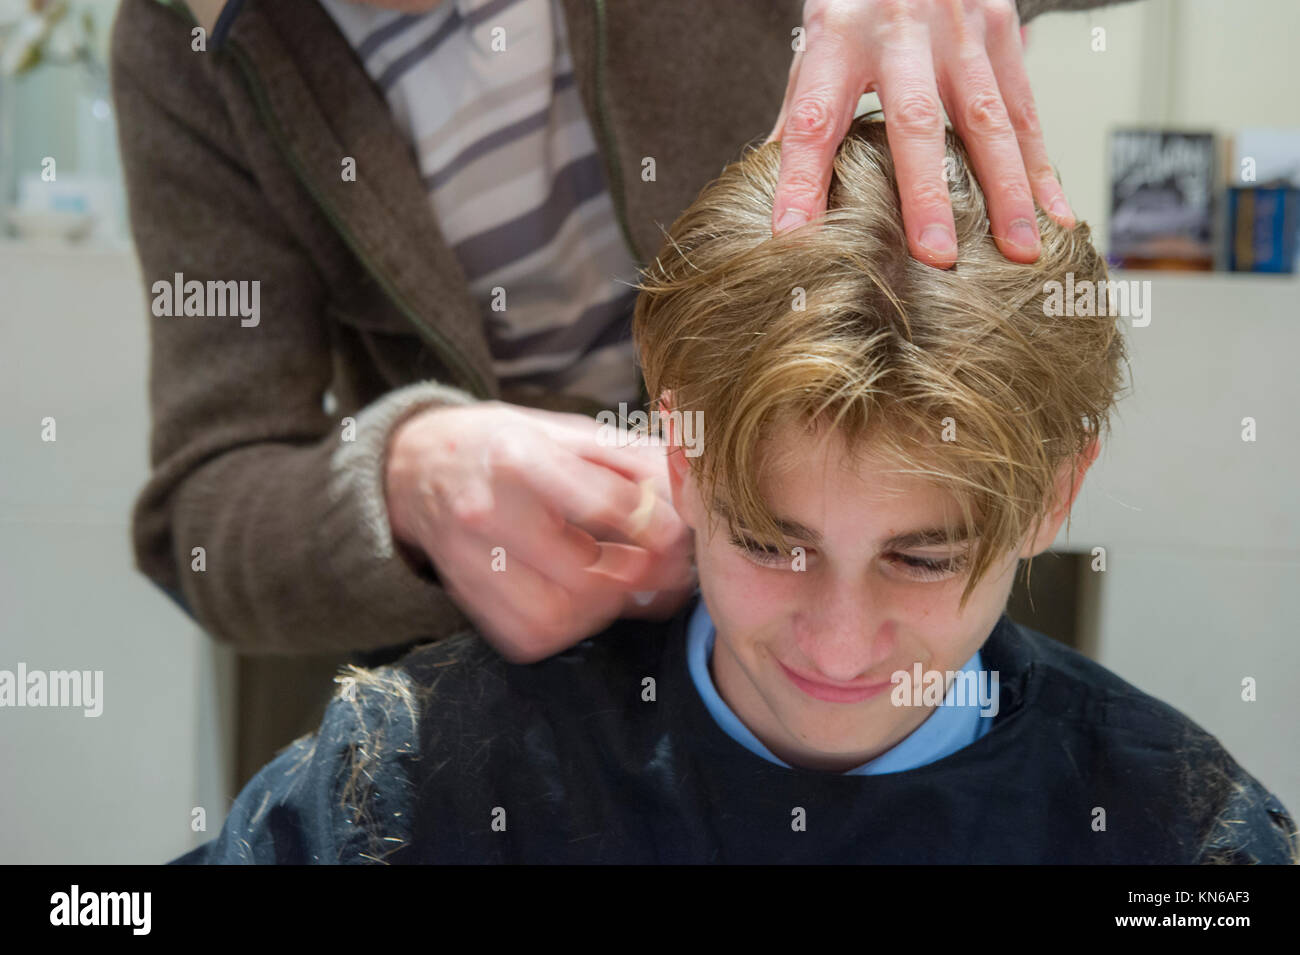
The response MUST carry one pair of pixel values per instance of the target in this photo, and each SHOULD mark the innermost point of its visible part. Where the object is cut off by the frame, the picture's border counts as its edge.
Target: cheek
(742, 597)
(950, 637)
(936, 606)
(933, 605)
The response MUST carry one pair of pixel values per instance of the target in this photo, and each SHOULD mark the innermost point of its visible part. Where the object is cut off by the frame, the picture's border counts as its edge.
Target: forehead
(803, 458)
(813, 479)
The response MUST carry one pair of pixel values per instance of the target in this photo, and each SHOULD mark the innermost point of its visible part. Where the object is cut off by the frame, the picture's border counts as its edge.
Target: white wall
(119, 787)
(1200, 527)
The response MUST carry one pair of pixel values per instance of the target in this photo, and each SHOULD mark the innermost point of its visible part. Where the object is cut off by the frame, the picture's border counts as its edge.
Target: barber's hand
(917, 54)
(579, 537)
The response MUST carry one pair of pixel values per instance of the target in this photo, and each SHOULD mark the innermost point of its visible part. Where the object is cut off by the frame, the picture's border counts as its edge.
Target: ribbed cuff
(358, 468)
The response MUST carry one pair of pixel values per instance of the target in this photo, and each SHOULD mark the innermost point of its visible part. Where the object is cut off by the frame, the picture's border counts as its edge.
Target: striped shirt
(484, 90)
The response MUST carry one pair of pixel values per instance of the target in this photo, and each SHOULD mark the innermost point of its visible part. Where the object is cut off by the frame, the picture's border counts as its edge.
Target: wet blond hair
(884, 349)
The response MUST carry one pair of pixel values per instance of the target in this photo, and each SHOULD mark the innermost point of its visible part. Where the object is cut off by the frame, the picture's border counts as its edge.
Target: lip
(829, 693)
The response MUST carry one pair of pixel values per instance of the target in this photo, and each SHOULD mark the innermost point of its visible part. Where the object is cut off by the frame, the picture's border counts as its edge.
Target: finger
(980, 118)
(526, 530)
(603, 502)
(664, 567)
(1006, 55)
(663, 573)
(523, 613)
(909, 97)
(526, 636)
(501, 604)
(624, 564)
(635, 568)
(636, 457)
(821, 109)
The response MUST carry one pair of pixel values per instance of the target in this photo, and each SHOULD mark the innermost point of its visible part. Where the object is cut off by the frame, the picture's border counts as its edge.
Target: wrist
(399, 475)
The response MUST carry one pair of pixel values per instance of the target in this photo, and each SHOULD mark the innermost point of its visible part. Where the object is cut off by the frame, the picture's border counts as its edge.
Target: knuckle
(1000, 14)
(800, 182)
(894, 12)
(810, 118)
(917, 113)
(471, 510)
(1041, 173)
(838, 16)
(985, 112)
(1013, 192)
(507, 451)
(929, 194)
(1024, 114)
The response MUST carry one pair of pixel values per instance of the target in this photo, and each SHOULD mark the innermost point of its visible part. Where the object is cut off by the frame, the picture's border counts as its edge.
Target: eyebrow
(930, 537)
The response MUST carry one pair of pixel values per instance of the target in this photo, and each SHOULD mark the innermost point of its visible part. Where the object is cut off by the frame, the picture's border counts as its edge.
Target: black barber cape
(455, 756)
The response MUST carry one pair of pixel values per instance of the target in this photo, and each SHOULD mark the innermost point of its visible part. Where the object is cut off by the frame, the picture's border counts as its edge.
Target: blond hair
(885, 349)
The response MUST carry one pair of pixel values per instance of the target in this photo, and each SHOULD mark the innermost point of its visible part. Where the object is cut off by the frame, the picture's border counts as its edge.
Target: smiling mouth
(830, 693)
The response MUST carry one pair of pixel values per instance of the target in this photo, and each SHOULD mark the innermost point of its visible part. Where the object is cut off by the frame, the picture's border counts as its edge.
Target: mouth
(834, 693)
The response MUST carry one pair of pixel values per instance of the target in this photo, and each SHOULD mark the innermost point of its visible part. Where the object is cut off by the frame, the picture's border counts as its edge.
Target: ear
(1078, 466)
(679, 468)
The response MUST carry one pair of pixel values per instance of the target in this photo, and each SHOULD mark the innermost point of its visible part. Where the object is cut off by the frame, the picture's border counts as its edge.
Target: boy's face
(804, 657)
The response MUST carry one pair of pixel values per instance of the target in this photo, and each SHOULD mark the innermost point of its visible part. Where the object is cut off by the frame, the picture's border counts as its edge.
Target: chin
(835, 754)
(840, 736)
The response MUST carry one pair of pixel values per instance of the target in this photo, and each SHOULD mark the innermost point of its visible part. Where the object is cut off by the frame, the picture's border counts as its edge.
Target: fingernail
(939, 239)
(644, 598)
(615, 560)
(792, 218)
(1061, 208)
(1023, 234)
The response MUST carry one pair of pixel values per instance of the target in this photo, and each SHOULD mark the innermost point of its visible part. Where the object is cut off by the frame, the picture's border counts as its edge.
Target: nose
(845, 634)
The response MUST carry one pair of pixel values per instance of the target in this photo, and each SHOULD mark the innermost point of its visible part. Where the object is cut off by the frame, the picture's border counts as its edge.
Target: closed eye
(770, 556)
(920, 568)
(926, 568)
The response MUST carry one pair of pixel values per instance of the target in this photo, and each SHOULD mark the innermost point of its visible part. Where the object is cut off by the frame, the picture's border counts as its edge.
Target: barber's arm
(245, 463)
(919, 56)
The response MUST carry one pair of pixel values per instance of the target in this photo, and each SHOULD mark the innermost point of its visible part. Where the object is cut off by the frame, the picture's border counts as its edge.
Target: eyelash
(919, 567)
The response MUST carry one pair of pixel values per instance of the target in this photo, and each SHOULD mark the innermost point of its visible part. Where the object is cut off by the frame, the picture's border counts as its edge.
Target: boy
(878, 445)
